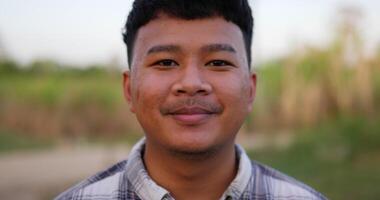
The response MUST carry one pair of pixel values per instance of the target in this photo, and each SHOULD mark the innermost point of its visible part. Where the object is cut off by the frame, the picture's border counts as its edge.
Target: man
(191, 88)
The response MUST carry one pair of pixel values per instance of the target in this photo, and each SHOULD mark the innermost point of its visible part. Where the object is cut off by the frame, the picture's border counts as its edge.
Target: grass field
(10, 141)
(341, 160)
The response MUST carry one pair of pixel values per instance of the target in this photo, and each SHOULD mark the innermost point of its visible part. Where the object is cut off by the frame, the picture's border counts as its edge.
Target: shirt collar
(239, 184)
(146, 188)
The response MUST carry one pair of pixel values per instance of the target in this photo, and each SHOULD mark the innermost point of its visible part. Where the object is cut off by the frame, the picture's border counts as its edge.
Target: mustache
(191, 104)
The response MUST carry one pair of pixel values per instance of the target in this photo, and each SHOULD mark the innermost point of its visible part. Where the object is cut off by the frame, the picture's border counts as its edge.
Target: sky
(85, 32)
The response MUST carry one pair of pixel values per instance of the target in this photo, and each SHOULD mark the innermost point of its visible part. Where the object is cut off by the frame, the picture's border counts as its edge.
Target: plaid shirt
(129, 180)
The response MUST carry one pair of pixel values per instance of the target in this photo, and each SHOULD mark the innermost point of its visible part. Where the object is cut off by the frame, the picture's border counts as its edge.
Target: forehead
(188, 34)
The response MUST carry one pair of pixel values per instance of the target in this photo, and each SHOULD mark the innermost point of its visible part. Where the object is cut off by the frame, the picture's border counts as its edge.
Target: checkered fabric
(129, 180)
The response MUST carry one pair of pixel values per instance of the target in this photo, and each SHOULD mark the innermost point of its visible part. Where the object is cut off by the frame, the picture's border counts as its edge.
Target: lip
(191, 119)
(191, 115)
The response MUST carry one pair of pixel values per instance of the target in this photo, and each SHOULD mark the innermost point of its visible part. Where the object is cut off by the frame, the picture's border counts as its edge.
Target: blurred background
(63, 116)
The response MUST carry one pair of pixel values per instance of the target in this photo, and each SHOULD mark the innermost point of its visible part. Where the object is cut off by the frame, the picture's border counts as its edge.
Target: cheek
(149, 92)
(234, 90)
(234, 96)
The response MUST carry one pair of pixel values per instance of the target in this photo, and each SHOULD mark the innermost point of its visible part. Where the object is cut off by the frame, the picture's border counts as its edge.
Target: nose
(191, 82)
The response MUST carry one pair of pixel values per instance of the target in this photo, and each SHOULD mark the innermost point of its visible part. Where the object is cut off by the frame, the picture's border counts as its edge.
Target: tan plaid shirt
(130, 180)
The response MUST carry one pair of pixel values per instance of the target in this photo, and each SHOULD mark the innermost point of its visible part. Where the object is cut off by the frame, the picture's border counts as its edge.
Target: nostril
(191, 88)
(202, 91)
(180, 91)
(192, 91)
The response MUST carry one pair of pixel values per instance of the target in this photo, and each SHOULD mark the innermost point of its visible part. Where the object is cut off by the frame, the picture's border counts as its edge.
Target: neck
(189, 176)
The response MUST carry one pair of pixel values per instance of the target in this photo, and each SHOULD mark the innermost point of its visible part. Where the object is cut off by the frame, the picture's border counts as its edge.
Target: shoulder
(268, 183)
(108, 184)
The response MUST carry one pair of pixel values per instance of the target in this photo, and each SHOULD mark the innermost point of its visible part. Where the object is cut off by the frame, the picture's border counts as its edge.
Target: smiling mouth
(191, 111)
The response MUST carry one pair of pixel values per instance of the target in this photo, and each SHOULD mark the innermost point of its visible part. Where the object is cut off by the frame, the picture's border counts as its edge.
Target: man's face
(189, 84)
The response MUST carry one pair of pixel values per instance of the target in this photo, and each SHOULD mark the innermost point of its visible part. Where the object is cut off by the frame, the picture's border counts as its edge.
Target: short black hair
(144, 11)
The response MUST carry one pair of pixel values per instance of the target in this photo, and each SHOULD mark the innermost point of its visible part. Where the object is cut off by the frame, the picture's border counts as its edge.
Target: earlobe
(127, 89)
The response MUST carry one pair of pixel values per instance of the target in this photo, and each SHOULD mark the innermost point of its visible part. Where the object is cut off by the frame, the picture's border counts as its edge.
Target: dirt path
(42, 175)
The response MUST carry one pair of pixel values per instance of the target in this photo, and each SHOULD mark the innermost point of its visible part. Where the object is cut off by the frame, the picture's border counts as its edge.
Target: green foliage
(376, 78)
(314, 66)
(8, 67)
(344, 139)
(43, 67)
(60, 88)
(10, 141)
(70, 103)
(269, 86)
(339, 158)
(270, 77)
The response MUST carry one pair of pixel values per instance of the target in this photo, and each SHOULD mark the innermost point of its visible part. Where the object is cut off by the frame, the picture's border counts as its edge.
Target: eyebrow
(164, 48)
(211, 48)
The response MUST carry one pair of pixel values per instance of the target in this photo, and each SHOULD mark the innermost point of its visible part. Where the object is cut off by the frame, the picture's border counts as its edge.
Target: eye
(166, 63)
(219, 63)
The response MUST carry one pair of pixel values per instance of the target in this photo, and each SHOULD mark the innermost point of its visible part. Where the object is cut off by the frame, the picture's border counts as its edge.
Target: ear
(252, 90)
(127, 89)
